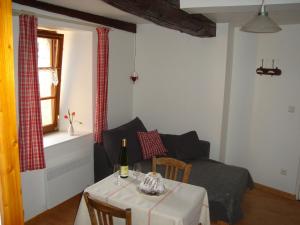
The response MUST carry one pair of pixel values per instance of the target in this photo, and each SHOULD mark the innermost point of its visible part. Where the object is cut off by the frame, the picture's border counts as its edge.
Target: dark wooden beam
(174, 3)
(167, 14)
(130, 27)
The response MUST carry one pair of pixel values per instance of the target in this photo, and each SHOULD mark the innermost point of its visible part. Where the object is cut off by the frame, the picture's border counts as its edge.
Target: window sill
(60, 137)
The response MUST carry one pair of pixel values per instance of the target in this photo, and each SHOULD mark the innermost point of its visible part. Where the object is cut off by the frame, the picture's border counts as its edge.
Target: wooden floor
(260, 208)
(63, 214)
(264, 208)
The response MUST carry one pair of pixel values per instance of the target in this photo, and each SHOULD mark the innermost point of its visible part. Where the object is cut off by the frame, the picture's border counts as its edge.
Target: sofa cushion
(151, 144)
(189, 147)
(171, 142)
(112, 141)
(185, 147)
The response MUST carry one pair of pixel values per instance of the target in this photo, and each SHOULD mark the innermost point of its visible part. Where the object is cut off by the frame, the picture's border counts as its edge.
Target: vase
(71, 130)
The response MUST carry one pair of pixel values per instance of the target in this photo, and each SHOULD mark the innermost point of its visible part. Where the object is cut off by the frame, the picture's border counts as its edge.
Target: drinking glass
(137, 170)
(117, 173)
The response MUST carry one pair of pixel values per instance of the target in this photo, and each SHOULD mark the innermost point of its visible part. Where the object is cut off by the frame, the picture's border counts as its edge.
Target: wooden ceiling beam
(174, 3)
(167, 14)
(130, 27)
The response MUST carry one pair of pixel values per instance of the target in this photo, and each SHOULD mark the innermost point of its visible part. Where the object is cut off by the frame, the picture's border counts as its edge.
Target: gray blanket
(225, 186)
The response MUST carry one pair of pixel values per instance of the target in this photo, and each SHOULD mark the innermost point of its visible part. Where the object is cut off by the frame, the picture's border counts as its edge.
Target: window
(50, 48)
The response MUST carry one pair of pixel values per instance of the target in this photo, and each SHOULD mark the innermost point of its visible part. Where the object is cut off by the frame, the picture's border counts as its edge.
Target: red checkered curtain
(30, 121)
(102, 83)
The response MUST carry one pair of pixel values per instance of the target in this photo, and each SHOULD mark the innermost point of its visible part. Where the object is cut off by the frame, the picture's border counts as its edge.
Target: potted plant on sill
(70, 117)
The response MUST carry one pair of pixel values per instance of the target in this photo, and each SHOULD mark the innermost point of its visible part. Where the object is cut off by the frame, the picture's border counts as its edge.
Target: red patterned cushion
(151, 144)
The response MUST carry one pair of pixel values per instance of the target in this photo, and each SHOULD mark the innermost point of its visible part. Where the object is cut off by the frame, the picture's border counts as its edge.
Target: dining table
(180, 204)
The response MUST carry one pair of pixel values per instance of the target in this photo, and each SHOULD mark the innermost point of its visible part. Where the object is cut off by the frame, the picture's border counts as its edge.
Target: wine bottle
(123, 160)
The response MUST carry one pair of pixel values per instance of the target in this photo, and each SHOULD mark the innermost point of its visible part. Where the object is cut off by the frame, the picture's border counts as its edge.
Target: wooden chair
(105, 212)
(172, 166)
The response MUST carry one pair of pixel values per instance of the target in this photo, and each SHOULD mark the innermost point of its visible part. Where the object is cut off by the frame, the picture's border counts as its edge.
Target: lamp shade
(262, 23)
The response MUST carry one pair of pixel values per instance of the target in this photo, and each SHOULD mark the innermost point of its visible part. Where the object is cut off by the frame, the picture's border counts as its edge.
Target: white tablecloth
(181, 204)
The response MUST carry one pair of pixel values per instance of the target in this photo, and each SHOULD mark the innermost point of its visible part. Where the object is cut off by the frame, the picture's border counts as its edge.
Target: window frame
(55, 90)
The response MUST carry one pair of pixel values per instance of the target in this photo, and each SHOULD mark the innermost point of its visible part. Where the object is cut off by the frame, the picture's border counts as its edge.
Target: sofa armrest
(205, 148)
(102, 165)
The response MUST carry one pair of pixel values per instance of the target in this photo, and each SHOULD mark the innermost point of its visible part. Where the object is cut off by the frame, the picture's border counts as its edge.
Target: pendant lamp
(134, 75)
(262, 23)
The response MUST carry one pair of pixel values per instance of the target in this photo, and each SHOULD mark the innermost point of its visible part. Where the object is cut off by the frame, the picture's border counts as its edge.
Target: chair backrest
(172, 166)
(102, 213)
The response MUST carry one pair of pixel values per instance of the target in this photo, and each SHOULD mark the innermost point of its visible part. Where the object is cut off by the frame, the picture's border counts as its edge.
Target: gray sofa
(225, 184)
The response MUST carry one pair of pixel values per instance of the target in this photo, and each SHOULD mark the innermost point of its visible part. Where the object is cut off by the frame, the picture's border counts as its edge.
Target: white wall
(33, 193)
(241, 98)
(264, 136)
(275, 136)
(227, 90)
(77, 92)
(120, 87)
(77, 79)
(181, 82)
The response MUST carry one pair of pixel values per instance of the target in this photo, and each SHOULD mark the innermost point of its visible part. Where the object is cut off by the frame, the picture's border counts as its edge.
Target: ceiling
(98, 7)
(239, 12)
(233, 11)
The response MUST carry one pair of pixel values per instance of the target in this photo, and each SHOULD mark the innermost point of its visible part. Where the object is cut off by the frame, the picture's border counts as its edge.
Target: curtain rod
(17, 12)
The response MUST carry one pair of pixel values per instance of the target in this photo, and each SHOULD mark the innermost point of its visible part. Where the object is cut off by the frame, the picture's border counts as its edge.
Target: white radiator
(67, 166)
(67, 177)
(69, 169)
